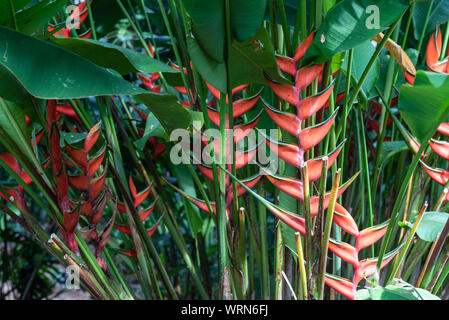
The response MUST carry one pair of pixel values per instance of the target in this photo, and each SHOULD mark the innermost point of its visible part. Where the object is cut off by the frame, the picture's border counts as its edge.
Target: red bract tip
(78, 156)
(444, 128)
(96, 184)
(345, 251)
(138, 197)
(344, 220)
(287, 65)
(310, 105)
(371, 235)
(291, 186)
(310, 137)
(293, 221)
(243, 158)
(441, 148)
(129, 253)
(78, 182)
(92, 137)
(71, 220)
(216, 93)
(287, 121)
(288, 152)
(440, 176)
(314, 166)
(95, 162)
(286, 92)
(341, 285)
(303, 47)
(305, 76)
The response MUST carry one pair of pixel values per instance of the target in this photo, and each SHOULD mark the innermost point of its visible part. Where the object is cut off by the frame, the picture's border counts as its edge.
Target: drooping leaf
(38, 16)
(114, 57)
(350, 23)
(69, 76)
(431, 225)
(249, 61)
(246, 17)
(425, 104)
(208, 26)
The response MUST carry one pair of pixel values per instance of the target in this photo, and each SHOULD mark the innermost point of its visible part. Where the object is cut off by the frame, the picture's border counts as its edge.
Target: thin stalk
(426, 263)
(407, 203)
(445, 42)
(223, 269)
(424, 27)
(263, 242)
(302, 268)
(91, 20)
(279, 262)
(175, 49)
(285, 26)
(327, 233)
(404, 250)
(368, 67)
(366, 173)
(308, 238)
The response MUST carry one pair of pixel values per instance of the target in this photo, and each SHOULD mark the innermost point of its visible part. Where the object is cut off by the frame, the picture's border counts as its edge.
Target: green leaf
(362, 56)
(106, 14)
(208, 26)
(38, 16)
(249, 60)
(398, 289)
(380, 293)
(110, 56)
(425, 104)
(431, 225)
(72, 137)
(247, 17)
(348, 24)
(6, 12)
(438, 15)
(69, 76)
(153, 128)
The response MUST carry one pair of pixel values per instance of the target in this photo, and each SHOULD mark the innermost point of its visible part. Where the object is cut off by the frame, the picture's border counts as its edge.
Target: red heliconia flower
(241, 131)
(78, 16)
(62, 186)
(90, 182)
(293, 153)
(305, 108)
(139, 198)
